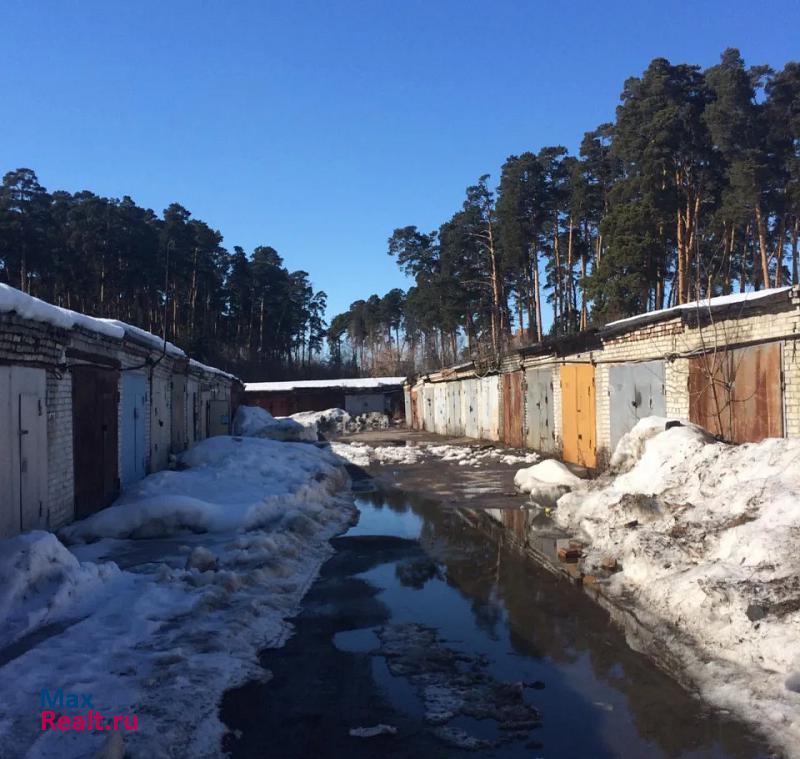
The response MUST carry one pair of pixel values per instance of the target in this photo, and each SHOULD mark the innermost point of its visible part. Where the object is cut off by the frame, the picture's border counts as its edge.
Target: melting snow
(166, 597)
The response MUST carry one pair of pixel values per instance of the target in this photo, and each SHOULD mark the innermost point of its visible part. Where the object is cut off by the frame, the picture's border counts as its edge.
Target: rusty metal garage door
(94, 429)
(540, 432)
(414, 420)
(512, 399)
(737, 394)
(635, 391)
(578, 414)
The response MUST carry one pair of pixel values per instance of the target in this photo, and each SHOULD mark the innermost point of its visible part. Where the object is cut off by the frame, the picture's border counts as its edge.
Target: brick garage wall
(60, 469)
(791, 383)
(160, 415)
(26, 342)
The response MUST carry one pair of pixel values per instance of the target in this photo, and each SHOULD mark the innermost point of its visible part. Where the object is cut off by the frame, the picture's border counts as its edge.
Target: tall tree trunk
(761, 229)
(795, 267)
(537, 291)
(570, 283)
(779, 251)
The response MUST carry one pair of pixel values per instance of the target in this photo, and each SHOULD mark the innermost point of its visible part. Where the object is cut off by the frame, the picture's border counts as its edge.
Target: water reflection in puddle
(596, 696)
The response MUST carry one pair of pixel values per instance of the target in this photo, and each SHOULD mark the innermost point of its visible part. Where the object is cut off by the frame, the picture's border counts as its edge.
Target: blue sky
(319, 127)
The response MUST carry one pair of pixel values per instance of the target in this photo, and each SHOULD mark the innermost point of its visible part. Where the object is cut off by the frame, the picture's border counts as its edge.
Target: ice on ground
(546, 481)
(707, 537)
(254, 421)
(167, 596)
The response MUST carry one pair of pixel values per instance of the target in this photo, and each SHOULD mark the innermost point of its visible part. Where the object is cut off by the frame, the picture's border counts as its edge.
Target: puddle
(428, 620)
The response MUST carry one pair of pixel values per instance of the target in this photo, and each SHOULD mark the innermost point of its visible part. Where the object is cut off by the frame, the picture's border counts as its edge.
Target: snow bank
(267, 474)
(546, 481)
(707, 537)
(41, 582)
(224, 552)
(362, 383)
(363, 455)
(254, 421)
(331, 420)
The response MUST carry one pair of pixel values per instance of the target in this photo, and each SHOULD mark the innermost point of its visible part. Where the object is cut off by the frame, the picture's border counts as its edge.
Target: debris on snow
(371, 732)
(706, 538)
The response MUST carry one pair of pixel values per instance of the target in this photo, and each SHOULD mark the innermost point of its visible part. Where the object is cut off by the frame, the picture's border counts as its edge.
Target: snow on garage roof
(707, 303)
(28, 307)
(211, 369)
(35, 309)
(366, 383)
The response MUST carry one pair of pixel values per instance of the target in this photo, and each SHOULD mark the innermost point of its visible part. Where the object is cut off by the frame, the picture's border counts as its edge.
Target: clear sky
(319, 127)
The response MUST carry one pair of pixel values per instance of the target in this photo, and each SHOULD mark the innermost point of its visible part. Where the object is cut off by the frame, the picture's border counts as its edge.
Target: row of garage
(88, 407)
(732, 368)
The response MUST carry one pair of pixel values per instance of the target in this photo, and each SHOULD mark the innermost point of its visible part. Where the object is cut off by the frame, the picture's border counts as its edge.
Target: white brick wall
(791, 381)
(60, 469)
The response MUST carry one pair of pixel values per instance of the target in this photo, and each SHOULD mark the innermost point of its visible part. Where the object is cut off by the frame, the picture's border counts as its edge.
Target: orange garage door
(578, 414)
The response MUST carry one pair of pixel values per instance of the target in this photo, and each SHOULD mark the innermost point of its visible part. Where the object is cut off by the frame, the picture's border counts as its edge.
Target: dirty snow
(362, 454)
(371, 732)
(254, 421)
(368, 383)
(546, 481)
(706, 535)
(331, 420)
(165, 598)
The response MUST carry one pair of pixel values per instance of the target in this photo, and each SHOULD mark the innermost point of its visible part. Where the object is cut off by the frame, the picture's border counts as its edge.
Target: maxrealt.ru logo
(53, 704)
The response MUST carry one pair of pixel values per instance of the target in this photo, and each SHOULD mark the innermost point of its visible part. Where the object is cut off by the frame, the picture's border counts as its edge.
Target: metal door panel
(32, 431)
(578, 414)
(512, 428)
(737, 394)
(178, 434)
(539, 422)
(134, 409)
(160, 423)
(635, 391)
(23, 450)
(95, 438)
(220, 417)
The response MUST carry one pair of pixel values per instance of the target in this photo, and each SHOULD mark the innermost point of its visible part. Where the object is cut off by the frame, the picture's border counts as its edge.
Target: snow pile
(371, 732)
(471, 455)
(214, 558)
(707, 538)
(370, 420)
(546, 481)
(269, 476)
(41, 583)
(360, 383)
(334, 420)
(254, 421)
(363, 455)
